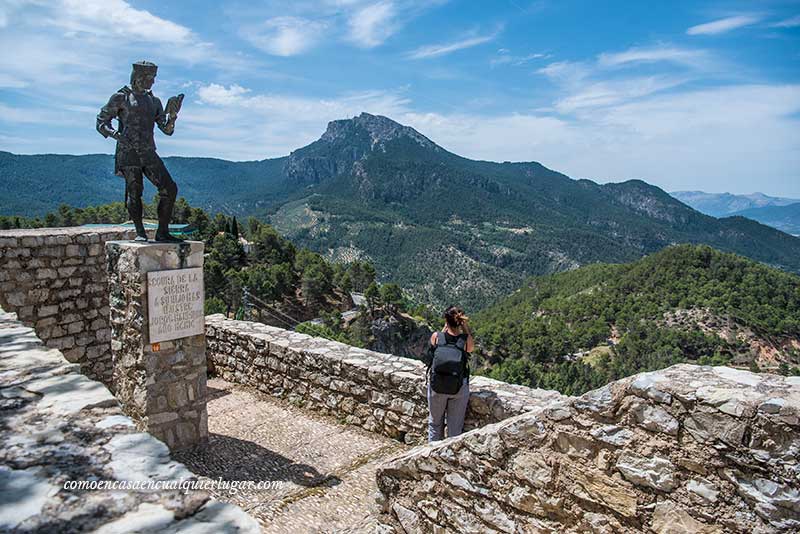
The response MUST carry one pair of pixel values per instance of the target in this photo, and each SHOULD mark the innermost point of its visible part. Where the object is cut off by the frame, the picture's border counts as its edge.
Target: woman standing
(448, 373)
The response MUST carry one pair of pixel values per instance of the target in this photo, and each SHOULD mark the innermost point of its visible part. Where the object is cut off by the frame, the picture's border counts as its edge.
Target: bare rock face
(399, 334)
(346, 142)
(689, 449)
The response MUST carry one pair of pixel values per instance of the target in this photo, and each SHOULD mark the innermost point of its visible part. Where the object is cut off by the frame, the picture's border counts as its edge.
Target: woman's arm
(427, 357)
(470, 345)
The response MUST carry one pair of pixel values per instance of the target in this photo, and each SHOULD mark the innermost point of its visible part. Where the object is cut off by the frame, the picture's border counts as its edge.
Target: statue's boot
(141, 235)
(164, 215)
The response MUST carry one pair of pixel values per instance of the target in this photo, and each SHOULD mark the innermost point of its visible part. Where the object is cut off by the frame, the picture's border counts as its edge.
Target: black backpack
(447, 368)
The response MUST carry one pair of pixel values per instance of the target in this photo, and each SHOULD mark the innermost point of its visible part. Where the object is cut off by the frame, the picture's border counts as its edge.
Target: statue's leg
(167, 193)
(133, 194)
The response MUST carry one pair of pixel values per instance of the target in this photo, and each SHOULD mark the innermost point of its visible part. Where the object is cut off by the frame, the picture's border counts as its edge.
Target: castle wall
(379, 392)
(54, 279)
(61, 429)
(688, 449)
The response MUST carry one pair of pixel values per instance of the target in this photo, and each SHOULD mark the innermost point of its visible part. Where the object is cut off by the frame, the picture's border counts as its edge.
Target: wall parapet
(59, 428)
(379, 392)
(54, 279)
(688, 449)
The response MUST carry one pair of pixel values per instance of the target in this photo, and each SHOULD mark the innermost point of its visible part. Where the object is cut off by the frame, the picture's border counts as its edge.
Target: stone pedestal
(161, 382)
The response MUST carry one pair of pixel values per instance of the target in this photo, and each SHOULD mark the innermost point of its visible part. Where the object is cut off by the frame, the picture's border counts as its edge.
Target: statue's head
(143, 75)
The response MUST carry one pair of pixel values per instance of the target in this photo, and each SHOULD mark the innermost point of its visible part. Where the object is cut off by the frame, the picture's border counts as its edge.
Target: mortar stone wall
(379, 392)
(54, 279)
(58, 426)
(685, 450)
(162, 387)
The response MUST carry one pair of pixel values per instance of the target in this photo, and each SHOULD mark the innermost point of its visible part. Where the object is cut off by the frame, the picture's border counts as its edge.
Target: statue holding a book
(137, 112)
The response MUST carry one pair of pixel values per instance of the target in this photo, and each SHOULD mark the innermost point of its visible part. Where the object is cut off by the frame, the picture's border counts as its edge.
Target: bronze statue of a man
(137, 111)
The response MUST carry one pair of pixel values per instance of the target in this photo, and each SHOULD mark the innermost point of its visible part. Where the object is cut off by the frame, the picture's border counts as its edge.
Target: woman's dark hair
(452, 316)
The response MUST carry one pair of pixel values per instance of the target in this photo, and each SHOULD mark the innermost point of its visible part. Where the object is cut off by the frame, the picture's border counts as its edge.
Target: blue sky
(684, 95)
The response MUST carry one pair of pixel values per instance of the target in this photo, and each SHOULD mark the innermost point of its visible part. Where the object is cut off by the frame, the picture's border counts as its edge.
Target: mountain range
(446, 228)
(777, 212)
(722, 204)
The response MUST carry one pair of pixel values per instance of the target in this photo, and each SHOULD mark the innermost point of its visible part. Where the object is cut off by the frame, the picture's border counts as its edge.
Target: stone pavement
(324, 470)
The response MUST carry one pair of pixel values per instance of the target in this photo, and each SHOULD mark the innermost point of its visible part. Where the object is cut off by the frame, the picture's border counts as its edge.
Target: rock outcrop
(346, 142)
(687, 449)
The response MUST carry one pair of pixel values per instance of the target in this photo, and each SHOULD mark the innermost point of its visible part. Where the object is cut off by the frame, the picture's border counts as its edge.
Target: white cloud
(505, 58)
(437, 50)
(613, 77)
(363, 23)
(723, 25)
(654, 54)
(285, 36)
(792, 22)
(219, 95)
(119, 18)
(607, 93)
(371, 25)
(66, 42)
(10, 82)
(211, 126)
(566, 72)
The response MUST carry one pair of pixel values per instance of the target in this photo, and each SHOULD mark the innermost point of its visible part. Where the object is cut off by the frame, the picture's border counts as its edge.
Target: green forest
(274, 281)
(533, 336)
(572, 331)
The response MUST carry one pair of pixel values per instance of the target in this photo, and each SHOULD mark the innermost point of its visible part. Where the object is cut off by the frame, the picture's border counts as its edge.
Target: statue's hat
(145, 67)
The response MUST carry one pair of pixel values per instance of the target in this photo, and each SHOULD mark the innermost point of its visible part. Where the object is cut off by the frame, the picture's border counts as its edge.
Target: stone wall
(379, 392)
(58, 427)
(55, 280)
(687, 449)
(161, 385)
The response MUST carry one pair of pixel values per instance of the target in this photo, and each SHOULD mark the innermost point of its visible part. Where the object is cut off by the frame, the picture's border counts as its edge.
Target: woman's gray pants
(453, 407)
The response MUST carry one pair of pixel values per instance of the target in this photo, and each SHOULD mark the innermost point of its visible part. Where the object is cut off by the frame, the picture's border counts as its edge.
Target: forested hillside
(274, 282)
(31, 186)
(577, 330)
(785, 218)
(445, 228)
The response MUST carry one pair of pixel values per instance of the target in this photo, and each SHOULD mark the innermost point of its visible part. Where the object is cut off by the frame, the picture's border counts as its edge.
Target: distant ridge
(785, 218)
(721, 204)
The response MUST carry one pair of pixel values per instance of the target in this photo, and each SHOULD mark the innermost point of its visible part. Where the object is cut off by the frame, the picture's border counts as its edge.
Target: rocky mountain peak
(378, 128)
(346, 142)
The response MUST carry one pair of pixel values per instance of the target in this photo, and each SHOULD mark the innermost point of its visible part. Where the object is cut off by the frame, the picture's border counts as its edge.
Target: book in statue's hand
(174, 105)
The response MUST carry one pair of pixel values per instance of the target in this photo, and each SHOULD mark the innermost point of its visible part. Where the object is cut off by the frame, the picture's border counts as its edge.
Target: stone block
(46, 274)
(17, 298)
(45, 311)
(74, 328)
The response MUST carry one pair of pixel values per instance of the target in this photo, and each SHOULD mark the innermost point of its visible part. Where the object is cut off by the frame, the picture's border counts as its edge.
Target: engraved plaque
(175, 304)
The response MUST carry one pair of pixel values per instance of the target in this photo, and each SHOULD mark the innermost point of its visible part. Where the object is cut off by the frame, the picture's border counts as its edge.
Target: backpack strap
(441, 339)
